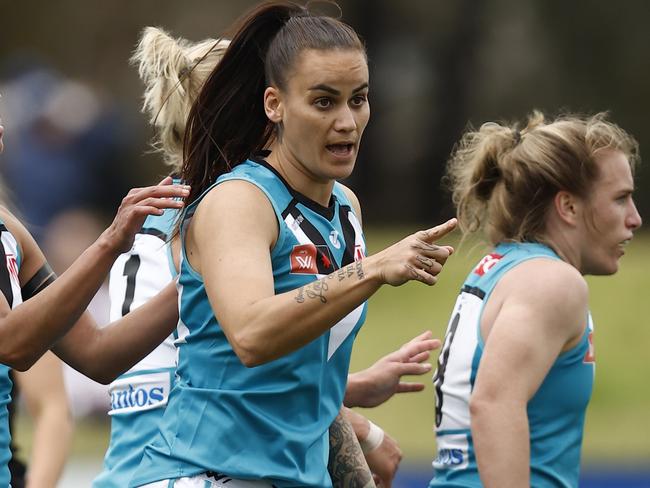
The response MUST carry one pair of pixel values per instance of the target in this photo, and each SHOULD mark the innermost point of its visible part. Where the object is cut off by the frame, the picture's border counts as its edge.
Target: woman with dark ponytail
(274, 279)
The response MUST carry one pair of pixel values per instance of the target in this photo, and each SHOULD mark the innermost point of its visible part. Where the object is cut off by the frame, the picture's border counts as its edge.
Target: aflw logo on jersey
(311, 259)
(487, 263)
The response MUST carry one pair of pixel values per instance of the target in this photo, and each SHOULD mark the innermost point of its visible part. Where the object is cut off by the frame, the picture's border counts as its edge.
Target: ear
(568, 207)
(273, 106)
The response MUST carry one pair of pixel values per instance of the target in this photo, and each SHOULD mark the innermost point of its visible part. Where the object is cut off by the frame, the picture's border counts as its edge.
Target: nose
(345, 121)
(634, 220)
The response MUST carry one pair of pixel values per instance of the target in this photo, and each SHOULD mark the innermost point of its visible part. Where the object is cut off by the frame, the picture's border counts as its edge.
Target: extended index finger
(434, 233)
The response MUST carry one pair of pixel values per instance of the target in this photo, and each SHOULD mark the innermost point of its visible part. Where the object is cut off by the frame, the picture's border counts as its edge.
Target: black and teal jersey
(271, 421)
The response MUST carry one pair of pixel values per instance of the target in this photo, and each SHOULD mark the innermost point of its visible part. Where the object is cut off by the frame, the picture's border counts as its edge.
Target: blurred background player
(42, 390)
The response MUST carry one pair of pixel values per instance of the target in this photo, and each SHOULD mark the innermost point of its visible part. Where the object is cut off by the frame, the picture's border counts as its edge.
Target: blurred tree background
(436, 65)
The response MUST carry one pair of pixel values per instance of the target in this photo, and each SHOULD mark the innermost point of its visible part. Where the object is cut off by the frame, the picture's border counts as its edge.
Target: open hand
(373, 386)
(136, 206)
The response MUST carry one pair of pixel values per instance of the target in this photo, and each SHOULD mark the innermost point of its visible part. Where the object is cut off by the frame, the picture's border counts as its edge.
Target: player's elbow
(102, 378)
(18, 358)
(19, 363)
(480, 406)
(101, 373)
(249, 349)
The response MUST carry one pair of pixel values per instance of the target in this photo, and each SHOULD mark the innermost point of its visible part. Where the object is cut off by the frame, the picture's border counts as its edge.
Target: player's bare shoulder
(356, 206)
(551, 286)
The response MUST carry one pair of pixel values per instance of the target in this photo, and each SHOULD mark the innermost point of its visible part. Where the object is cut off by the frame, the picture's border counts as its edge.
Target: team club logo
(358, 252)
(334, 239)
(311, 259)
(12, 265)
(487, 263)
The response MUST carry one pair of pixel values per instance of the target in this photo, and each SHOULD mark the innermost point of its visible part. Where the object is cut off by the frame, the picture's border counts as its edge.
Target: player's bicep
(234, 230)
(516, 355)
(531, 330)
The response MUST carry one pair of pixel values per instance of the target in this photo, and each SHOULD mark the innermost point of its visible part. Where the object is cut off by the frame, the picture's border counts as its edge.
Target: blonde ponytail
(173, 71)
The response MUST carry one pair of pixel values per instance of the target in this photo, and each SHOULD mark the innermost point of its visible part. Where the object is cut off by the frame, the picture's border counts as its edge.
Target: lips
(341, 150)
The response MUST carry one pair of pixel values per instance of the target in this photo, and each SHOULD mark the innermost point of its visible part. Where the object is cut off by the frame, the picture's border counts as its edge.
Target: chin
(341, 172)
(603, 269)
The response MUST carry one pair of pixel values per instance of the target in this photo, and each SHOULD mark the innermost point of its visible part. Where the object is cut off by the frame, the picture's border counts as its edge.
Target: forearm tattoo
(347, 466)
(317, 289)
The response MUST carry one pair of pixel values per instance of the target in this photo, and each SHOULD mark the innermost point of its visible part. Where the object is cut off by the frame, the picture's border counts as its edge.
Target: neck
(563, 246)
(298, 177)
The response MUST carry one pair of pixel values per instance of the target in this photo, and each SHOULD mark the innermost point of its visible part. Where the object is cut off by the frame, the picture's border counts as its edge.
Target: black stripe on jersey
(442, 367)
(324, 259)
(473, 290)
(41, 280)
(348, 235)
(327, 212)
(152, 231)
(5, 277)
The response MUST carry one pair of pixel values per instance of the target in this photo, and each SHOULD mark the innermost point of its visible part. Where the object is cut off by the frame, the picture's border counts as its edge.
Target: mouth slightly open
(341, 150)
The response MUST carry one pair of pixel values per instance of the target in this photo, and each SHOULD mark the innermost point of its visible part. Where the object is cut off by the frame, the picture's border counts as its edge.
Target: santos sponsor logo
(452, 452)
(139, 392)
(450, 458)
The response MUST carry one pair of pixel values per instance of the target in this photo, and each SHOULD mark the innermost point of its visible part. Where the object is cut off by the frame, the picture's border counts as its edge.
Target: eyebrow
(334, 91)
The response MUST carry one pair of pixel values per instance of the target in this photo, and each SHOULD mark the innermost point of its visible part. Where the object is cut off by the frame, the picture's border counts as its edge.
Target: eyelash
(357, 101)
(623, 198)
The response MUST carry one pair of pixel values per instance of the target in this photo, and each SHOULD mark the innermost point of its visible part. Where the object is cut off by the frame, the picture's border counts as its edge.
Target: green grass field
(618, 428)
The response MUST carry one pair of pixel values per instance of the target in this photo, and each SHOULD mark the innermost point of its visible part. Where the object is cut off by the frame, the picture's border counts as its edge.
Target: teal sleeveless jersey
(271, 421)
(139, 396)
(556, 413)
(10, 286)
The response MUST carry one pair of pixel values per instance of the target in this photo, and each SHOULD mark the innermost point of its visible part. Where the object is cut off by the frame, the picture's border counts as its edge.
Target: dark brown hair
(227, 122)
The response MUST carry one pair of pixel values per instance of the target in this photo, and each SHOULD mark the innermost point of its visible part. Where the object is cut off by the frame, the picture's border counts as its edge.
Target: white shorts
(205, 481)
